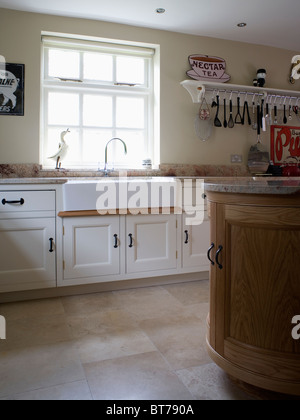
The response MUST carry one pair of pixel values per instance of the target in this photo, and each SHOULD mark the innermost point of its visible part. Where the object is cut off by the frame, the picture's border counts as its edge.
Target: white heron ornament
(62, 150)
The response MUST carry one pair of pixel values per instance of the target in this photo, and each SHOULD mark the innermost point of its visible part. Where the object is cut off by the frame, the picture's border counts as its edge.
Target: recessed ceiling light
(242, 25)
(160, 11)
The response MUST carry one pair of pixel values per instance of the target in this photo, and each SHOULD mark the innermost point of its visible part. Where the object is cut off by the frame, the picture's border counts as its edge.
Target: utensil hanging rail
(198, 90)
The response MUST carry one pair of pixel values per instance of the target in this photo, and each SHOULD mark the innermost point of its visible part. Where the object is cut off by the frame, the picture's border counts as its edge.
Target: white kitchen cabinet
(151, 243)
(91, 246)
(27, 240)
(195, 243)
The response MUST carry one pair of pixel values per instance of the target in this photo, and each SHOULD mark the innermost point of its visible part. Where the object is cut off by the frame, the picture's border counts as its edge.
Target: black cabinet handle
(51, 245)
(131, 240)
(186, 236)
(209, 252)
(21, 201)
(116, 241)
(217, 257)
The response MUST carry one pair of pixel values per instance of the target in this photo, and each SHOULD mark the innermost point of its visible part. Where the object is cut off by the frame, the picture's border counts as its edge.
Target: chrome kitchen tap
(106, 171)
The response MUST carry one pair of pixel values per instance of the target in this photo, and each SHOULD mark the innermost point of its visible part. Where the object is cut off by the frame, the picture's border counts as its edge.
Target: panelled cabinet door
(195, 243)
(151, 243)
(91, 246)
(27, 254)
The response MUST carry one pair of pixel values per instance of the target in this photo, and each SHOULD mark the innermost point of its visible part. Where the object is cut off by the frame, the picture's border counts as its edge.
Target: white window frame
(150, 92)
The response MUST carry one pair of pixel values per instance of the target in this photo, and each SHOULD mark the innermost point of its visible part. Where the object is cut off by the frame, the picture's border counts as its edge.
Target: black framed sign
(12, 81)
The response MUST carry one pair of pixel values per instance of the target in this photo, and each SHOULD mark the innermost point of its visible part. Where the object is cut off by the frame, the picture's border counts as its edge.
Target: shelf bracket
(197, 93)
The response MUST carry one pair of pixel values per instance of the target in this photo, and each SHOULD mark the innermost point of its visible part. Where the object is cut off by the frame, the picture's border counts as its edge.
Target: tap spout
(106, 149)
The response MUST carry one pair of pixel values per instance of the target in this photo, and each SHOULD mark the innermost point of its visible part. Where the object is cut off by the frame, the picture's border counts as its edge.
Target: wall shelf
(199, 89)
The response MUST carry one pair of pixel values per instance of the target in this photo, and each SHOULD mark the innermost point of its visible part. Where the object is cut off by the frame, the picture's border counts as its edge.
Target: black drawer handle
(21, 201)
(131, 240)
(51, 245)
(186, 237)
(209, 252)
(217, 257)
(116, 241)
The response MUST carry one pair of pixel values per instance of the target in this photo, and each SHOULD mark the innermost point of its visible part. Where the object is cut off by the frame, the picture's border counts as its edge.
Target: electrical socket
(236, 159)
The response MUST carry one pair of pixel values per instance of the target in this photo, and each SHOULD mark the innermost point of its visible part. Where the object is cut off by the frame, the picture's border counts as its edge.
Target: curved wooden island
(255, 281)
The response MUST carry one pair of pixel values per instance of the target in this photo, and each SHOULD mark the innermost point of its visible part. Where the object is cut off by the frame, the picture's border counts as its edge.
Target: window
(98, 91)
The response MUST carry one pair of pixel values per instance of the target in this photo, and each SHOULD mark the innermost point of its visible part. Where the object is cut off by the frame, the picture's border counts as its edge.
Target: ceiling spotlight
(242, 25)
(160, 11)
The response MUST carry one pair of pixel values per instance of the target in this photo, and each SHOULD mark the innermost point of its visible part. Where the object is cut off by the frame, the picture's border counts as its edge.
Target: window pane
(130, 112)
(63, 109)
(130, 70)
(135, 148)
(65, 64)
(97, 111)
(98, 67)
(94, 142)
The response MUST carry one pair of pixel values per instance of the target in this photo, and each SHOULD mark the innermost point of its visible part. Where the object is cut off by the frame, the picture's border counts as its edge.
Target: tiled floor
(146, 343)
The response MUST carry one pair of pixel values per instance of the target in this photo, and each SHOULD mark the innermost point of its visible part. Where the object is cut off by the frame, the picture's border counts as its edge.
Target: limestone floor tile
(74, 391)
(148, 303)
(89, 303)
(38, 367)
(181, 339)
(35, 331)
(100, 322)
(115, 344)
(190, 293)
(31, 309)
(209, 382)
(139, 377)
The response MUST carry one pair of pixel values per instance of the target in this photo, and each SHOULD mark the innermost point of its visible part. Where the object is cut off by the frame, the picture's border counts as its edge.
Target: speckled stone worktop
(268, 186)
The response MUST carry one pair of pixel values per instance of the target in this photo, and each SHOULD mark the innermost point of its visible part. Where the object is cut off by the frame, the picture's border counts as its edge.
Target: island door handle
(217, 257)
(131, 240)
(209, 253)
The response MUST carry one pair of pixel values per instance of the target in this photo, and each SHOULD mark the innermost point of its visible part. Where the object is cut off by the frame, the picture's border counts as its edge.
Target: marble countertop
(267, 186)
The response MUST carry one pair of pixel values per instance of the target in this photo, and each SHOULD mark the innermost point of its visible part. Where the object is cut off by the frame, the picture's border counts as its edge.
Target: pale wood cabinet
(255, 289)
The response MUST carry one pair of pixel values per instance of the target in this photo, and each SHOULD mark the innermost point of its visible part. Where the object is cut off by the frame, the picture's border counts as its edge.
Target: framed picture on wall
(285, 144)
(12, 82)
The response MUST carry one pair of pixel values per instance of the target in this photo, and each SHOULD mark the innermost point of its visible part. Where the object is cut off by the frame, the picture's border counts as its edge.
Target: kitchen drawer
(26, 201)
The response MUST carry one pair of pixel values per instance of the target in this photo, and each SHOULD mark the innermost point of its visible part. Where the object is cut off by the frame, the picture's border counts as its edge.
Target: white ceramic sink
(121, 193)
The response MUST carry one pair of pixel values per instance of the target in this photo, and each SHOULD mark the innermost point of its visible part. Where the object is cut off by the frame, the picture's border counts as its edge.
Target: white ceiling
(270, 22)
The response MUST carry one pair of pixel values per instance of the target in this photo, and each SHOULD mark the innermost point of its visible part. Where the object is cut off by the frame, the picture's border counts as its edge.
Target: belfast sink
(121, 193)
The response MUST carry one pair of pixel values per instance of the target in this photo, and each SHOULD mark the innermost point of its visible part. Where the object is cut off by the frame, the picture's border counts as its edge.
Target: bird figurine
(62, 151)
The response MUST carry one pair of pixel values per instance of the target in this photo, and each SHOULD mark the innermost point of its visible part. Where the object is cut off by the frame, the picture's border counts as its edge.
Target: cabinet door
(91, 246)
(151, 243)
(195, 242)
(27, 254)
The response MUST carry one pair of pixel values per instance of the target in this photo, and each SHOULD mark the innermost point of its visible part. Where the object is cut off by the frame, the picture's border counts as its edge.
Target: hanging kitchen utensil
(263, 118)
(238, 118)
(254, 125)
(275, 115)
(246, 109)
(258, 159)
(204, 112)
(203, 127)
(225, 124)
(217, 122)
(285, 120)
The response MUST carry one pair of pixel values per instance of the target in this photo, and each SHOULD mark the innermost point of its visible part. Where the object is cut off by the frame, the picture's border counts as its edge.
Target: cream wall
(20, 35)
